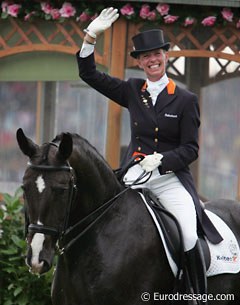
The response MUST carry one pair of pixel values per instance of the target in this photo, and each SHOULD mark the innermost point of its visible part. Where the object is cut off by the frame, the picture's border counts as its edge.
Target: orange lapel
(166, 96)
(171, 86)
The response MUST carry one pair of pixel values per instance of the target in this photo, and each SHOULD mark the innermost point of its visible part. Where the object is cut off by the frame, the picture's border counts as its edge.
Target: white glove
(151, 162)
(102, 22)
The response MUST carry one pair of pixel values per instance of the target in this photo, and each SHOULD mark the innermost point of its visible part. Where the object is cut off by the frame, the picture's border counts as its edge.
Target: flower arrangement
(84, 11)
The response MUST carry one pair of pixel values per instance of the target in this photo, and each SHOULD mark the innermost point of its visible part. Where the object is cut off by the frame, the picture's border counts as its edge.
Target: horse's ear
(65, 147)
(27, 146)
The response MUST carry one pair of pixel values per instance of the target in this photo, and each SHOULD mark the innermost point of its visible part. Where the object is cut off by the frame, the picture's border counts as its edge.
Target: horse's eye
(59, 190)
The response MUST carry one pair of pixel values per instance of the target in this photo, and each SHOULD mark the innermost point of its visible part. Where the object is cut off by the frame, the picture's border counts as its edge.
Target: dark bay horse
(109, 252)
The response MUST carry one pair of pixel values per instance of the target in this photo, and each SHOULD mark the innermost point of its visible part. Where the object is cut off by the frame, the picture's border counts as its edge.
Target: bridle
(48, 230)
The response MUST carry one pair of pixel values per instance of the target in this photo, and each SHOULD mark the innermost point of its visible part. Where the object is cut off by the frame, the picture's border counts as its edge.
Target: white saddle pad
(225, 256)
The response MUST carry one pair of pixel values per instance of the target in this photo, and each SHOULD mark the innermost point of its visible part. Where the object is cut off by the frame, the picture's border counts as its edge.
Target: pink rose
(170, 18)
(13, 9)
(83, 17)
(163, 9)
(152, 15)
(55, 13)
(227, 14)
(189, 21)
(67, 10)
(46, 7)
(4, 6)
(127, 10)
(238, 24)
(209, 21)
(144, 12)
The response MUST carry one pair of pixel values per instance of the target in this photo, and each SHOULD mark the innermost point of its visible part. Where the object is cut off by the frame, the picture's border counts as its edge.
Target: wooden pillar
(117, 69)
(196, 71)
(49, 109)
(39, 111)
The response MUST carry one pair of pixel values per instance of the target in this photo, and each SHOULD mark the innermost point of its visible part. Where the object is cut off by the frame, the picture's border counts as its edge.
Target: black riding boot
(197, 271)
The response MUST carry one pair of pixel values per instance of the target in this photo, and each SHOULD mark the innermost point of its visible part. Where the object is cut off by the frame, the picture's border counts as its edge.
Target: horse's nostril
(46, 267)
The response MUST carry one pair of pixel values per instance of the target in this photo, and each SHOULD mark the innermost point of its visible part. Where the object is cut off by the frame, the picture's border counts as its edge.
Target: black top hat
(148, 41)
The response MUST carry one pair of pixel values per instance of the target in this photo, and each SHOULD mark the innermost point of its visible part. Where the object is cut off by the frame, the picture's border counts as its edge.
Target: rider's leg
(179, 202)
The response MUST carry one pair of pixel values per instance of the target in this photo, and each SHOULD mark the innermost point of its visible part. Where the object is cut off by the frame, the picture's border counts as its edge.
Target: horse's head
(48, 185)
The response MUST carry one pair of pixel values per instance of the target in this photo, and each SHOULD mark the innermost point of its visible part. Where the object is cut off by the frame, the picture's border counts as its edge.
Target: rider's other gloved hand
(102, 22)
(151, 162)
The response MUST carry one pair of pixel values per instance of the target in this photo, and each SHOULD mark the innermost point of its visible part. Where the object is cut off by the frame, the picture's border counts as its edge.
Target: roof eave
(223, 3)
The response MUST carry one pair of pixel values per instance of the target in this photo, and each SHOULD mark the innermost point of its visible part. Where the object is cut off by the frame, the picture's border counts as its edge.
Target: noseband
(55, 232)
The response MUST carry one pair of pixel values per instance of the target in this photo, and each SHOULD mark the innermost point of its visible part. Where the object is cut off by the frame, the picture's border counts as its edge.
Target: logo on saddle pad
(233, 249)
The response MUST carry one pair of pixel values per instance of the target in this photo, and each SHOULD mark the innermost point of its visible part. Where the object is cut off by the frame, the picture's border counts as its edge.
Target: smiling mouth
(154, 66)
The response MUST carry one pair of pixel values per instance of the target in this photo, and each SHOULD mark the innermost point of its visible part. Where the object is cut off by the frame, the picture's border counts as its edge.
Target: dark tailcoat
(170, 127)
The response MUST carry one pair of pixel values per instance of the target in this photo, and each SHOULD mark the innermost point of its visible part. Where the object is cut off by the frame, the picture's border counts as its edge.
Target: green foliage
(17, 285)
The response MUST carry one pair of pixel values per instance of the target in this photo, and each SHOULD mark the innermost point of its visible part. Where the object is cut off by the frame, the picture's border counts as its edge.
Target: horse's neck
(96, 183)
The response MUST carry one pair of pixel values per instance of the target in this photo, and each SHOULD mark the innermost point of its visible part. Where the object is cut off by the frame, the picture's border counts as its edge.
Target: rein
(87, 222)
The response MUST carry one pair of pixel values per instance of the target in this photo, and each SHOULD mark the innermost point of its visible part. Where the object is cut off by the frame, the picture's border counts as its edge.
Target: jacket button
(139, 148)
(155, 140)
(135, 123)
(156, 129)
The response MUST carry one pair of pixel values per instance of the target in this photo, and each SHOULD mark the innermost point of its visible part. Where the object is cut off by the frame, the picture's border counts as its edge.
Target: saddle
(172, 231)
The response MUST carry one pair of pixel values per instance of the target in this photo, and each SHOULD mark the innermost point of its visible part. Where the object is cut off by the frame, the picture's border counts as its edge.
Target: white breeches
(174, 197)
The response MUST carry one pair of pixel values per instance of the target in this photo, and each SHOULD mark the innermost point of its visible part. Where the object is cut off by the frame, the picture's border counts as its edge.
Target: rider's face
(153, 63)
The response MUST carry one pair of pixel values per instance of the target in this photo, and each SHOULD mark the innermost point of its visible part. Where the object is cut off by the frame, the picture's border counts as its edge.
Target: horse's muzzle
(40, 267)
(41, 263)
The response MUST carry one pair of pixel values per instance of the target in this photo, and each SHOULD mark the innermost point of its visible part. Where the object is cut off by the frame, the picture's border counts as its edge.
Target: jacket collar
(171, 86)
(166, 97)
